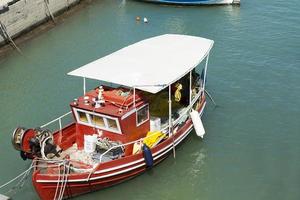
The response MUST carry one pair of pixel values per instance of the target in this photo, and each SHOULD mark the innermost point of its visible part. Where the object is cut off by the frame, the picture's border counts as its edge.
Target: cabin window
(82, 117)
(98, 121)
(142, 114)
(112, 124)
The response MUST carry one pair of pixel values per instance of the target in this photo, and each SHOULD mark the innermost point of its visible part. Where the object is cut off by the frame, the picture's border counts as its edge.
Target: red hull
(108, 173)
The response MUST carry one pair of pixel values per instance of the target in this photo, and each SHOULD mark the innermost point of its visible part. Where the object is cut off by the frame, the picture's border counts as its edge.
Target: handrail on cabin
(55, 120)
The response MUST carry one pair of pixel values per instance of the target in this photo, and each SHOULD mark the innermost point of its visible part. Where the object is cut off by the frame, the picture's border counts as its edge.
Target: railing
(162, 130)
(197, 96)
(57, 119)
(126, 144)
(114, 147)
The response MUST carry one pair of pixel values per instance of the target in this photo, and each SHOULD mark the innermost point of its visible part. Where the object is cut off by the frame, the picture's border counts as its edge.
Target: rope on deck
(63, 179)
(8, 38)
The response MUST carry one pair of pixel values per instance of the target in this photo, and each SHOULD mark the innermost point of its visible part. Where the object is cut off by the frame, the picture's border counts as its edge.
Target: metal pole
(170, 111)
(84, 87)
(205, 69)
(134, 97)
(60, 130)
(190, 87)
(170, 121)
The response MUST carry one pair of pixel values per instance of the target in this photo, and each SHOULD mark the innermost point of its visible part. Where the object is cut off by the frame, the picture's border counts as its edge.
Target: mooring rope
(62, 183)
(24, 175)
(62, 178)
(65, 180)
(58, 181)
(210, 97)
(12, 180)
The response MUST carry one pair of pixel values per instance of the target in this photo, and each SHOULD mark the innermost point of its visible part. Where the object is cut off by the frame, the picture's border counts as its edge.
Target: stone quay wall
(20, 16)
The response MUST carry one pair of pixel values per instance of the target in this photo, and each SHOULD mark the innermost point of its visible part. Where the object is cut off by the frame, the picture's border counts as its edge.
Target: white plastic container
(155, 124)
(90, 143)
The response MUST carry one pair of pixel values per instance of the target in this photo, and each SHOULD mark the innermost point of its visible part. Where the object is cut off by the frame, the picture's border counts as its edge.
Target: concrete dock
(20, 16)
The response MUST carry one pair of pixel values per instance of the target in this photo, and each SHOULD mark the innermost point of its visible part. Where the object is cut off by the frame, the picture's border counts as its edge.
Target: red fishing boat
(149, 97)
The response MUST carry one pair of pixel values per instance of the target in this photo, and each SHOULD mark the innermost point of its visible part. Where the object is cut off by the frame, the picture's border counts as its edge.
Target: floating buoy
(197, 123)
(145, 20)
(137, 18)
(147, 156)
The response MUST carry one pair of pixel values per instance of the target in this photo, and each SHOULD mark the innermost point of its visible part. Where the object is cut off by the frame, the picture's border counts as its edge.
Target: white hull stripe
(155, 157)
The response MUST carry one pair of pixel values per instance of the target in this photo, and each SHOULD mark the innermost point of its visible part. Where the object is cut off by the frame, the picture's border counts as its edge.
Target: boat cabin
(124, 115)
(115, 114)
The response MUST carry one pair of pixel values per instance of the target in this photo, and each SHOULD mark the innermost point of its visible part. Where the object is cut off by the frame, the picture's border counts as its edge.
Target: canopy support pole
(171, 134)
(205, 70)
(190, 88)
(60, 130)
(134, 97)
(84, 86)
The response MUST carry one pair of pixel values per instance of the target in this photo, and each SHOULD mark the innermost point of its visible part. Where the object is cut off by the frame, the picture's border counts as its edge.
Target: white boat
(196, 2)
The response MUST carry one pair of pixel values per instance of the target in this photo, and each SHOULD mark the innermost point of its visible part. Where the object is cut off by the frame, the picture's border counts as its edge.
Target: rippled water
(251, 150)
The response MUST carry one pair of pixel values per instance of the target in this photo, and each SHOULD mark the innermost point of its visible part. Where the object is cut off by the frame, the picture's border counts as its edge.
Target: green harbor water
(252, 147)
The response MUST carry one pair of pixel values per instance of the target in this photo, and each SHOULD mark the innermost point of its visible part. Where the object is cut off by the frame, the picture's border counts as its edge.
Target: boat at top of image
(195, 2)
(150, 98)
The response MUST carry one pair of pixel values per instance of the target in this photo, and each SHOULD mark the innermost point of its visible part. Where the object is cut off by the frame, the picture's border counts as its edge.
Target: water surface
(251, 150)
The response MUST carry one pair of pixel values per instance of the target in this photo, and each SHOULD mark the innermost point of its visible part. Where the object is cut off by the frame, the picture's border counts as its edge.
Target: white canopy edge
(151, 64)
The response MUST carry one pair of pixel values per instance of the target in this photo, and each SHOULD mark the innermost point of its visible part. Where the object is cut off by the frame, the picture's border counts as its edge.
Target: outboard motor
(21, 141)
(31, 142)
(17, 138)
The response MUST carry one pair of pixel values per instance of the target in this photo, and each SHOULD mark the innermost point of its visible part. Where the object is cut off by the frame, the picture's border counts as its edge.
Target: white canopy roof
(149, 65)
